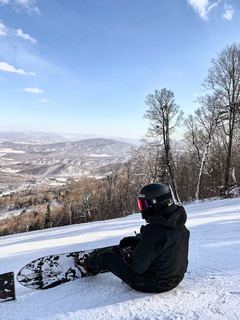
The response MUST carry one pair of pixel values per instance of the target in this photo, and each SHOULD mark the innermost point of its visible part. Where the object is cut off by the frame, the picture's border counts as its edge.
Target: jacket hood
(169, 219)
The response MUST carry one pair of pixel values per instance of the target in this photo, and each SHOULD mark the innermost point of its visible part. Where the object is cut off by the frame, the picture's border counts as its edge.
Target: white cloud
(203, 7)
(43, 100)
(33, 90)
(228, 15)
(8, 68)
(27, 5)
(25, 36)
(127, 120)
(3, 29)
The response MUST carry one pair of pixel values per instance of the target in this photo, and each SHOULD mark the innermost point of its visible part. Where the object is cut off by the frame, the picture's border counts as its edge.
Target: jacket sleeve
(144, 253)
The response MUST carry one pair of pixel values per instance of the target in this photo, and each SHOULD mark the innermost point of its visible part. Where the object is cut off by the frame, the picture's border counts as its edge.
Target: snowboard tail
(53, 270)
(7, 288)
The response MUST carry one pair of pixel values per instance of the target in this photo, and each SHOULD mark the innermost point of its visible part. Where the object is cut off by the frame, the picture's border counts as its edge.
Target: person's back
(162, 253)
(158, 256)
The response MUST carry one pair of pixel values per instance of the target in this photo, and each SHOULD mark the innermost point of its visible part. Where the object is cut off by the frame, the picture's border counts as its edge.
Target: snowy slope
(210, 290)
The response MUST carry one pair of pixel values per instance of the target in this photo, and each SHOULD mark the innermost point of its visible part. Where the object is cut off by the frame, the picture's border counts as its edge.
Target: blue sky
(86, 66)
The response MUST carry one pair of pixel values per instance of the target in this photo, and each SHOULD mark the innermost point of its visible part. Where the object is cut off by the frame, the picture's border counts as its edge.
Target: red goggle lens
(142, 204)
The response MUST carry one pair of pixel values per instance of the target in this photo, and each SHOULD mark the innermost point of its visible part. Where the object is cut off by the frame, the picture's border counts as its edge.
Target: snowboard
(7, 289)
(53, 270)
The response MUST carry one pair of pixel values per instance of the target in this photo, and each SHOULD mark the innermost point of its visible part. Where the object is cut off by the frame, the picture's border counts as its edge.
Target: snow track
(209, 291)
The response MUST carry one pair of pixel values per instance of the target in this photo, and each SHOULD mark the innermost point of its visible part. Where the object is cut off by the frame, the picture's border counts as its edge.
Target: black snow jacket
(161, 255)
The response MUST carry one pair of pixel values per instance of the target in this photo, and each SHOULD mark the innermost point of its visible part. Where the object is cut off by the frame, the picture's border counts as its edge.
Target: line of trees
(211, 135)
(89, 199)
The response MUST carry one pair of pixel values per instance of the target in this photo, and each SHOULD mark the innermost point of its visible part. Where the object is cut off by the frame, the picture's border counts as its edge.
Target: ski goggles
(142, 204)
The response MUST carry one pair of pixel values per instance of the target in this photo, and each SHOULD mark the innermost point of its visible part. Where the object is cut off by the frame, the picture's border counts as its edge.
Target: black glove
(127, 242)
(126, 254)
(127, 246)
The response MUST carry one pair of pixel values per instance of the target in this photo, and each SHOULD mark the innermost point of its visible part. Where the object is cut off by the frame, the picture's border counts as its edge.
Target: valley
(45, 161)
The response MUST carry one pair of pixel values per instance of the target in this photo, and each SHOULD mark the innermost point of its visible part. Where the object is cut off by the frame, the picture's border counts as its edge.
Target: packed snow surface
(210, 289)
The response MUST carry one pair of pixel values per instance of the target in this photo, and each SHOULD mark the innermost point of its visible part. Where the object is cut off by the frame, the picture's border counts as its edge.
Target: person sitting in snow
(156, 259)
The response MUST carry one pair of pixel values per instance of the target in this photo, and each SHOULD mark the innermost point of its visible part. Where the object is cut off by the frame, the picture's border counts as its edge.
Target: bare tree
(193, 134)
(164, 115)
(208, 117)
(224, 80)
(145, 160)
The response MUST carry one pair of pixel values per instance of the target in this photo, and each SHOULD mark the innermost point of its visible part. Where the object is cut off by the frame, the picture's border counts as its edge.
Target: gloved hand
(129, 242)
(126, 254)
(127, 246)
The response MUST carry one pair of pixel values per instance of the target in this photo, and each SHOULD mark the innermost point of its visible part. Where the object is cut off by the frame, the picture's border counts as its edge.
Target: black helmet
(152, 198)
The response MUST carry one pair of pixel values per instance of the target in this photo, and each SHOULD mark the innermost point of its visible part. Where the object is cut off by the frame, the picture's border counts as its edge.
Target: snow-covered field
(210, 290)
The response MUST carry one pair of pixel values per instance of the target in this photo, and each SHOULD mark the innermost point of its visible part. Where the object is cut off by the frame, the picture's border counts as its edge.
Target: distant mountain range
(28, 156)
(50, 137)
(31, 137)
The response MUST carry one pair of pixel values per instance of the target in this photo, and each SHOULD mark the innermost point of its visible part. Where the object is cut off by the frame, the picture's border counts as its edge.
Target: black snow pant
(111, 260)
